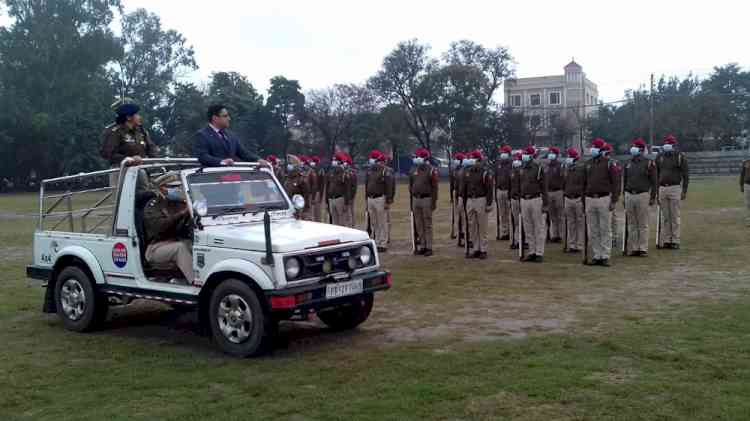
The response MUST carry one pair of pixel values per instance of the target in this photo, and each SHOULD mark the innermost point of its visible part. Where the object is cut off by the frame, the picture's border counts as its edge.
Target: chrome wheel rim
(235, 318)
(73, 299)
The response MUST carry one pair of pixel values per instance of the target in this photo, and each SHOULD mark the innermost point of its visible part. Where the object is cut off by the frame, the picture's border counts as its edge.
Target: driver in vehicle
(166, 219)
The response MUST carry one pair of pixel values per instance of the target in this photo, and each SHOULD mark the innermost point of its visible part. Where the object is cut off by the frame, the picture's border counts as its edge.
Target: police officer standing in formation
(126, 138)
(602, 181)
(555, 192)
(456, 190)
(318, 188)
(515, 201)
(296, 182)
(607, 152)
(352, 174)
(640, 193)
(534, 202)
(478, 196)
(573, 185)
(338, 191)
(278, 171)
(745, 187)
(423, 188)
(502, 192)
(379, 192)
(672, 169)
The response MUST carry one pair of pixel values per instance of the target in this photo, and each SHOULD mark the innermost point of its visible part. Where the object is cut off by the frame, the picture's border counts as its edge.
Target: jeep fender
(86, 256)
(249, 269)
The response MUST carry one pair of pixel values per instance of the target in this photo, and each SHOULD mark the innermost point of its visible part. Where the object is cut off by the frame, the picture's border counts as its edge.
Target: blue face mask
(175, 194)
(335, 163)
(516, 164)
(595, 152)
(635, 151)
(418, 161)
(569, 160)
(372, 161)
(552, 156)
(465, 162)
(526, 158)
(504, 156)
(667, 148)
(289, 167)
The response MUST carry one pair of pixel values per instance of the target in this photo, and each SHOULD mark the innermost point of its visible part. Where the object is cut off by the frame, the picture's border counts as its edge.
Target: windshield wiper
(228, 211)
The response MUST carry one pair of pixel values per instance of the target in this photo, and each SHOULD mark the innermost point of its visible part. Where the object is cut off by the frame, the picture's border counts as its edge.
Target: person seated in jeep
(165, 218)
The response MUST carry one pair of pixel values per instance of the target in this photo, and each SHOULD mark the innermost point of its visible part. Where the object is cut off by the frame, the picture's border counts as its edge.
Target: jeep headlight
(365, 255)
(292, 267)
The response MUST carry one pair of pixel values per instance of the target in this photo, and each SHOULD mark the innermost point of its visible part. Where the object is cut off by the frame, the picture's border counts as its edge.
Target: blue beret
(127, 110)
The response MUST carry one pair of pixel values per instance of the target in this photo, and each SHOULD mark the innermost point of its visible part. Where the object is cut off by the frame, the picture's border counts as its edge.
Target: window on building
(515, 100)
(554, 98)
(535, 100)
(554, 119)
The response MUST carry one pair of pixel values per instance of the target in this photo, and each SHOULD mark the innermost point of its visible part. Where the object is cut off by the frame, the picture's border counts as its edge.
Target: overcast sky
(325, 42)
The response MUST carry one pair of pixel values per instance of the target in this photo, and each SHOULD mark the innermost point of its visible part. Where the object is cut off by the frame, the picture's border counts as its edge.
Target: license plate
(344, 288)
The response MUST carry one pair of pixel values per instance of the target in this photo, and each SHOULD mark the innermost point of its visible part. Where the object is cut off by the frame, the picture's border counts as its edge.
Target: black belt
(636, 192)
(553, 191)
(422, 196)
(597, 195)
(335, 197)
(530, 196)
(377, 196)
(573, 196)
(668, 185)
(477, 197)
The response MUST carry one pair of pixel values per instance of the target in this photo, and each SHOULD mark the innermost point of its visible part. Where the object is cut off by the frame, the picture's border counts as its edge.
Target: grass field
(659, 338)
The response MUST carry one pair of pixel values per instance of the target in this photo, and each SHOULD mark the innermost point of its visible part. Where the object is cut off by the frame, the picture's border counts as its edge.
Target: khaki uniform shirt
(119, 142)
(160, 219)
(672, 168)
(534, 181)
(378, 182)
(502, 174)
(602, 178)
(574, 179)
(554, 176)
(423, 181)
(478, 183)
(640, 176)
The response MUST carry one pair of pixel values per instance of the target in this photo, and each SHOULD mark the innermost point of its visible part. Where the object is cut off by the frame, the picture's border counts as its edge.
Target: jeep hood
(286, 236)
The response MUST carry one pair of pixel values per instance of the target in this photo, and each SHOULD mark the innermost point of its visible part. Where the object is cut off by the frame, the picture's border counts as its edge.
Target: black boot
(427, 252)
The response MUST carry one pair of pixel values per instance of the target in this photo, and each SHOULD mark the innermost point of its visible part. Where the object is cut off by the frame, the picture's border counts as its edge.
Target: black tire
(260, 330)
(88, 309)
(349, 315)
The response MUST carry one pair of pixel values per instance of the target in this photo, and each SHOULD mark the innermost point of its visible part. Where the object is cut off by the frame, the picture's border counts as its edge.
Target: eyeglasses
(223, 115)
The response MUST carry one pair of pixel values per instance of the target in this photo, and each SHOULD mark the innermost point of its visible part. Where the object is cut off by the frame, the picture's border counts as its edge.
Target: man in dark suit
(214, 145)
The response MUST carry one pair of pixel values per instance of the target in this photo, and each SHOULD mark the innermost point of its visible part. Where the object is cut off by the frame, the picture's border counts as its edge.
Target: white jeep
(255, 263)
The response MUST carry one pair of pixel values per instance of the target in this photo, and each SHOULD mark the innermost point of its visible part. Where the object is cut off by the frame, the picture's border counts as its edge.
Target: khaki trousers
(747, 203)
(378, 220)
(574, 220)
(179, 253)
(352, 217)
(534, 225)
(503, 206)
(614, 223)
(598, 219)
(556, 209)
(460, 220)
(423, 221)
(388, 223)
(515, 211)
(669, 199)
(477, 210)
(339, 212)
(636, 210)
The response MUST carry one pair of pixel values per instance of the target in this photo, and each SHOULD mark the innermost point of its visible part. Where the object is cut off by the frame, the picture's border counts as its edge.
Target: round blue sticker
(120, 255)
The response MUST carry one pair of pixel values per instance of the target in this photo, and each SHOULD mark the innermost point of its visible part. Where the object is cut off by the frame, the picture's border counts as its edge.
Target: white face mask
(471, 162)
(312, 164)
(418, 161)
(552, 157)
(595, 152)
(516, 163)
(372, 161)
(335, 163)
(526, 158)
(635, 151)
(504, 155)
(289, 167)
(667, 148)
(456, 162)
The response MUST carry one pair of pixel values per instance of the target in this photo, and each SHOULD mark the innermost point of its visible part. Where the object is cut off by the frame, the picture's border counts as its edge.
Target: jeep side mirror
(298, 201)
(200, 208)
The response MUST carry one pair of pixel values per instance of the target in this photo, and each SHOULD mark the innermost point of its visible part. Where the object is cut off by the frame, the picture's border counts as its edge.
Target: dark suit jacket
(211, 149)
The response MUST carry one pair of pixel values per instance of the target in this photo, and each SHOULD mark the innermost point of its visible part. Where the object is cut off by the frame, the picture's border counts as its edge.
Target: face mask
(312, 165)
(526, 158)
(595, 152)
(470, 162)
(335, 163)
(667, 148)
(552, 157)
(418, 161)
(569, 160)
(289, 167)
(465, 162)
(372, 161)
(635, 151)
(345, 164)
(175, 194)
(504, 155)
(516, 164)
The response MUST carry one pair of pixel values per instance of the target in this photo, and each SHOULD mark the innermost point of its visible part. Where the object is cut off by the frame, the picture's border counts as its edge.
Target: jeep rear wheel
(78, 305)
(239, 323)
(350, 315)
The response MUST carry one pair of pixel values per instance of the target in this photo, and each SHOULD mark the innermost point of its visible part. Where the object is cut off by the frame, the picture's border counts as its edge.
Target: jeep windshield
(236, 192)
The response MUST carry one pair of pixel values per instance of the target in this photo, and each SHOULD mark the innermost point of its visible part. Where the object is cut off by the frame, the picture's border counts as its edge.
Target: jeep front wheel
(239, 324)
(78, 305)
(350, 315)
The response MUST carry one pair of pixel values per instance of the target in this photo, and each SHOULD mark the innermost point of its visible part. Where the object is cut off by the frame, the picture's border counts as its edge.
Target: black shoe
(642, 253)
(427, 252)
(505, 238)
(382, 249)
(604, 262)
(574, 251)
(556, 240)
(471, 244)
(514, 246)
(634, 253)
(483, 255)
(675, 246)
(529, 258)
(418, 252)
(453, 237)
(476, 254)
(538, 259)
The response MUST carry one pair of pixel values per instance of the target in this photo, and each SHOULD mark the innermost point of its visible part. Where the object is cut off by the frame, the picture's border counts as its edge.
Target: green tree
(244, 104)
(286, 105)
